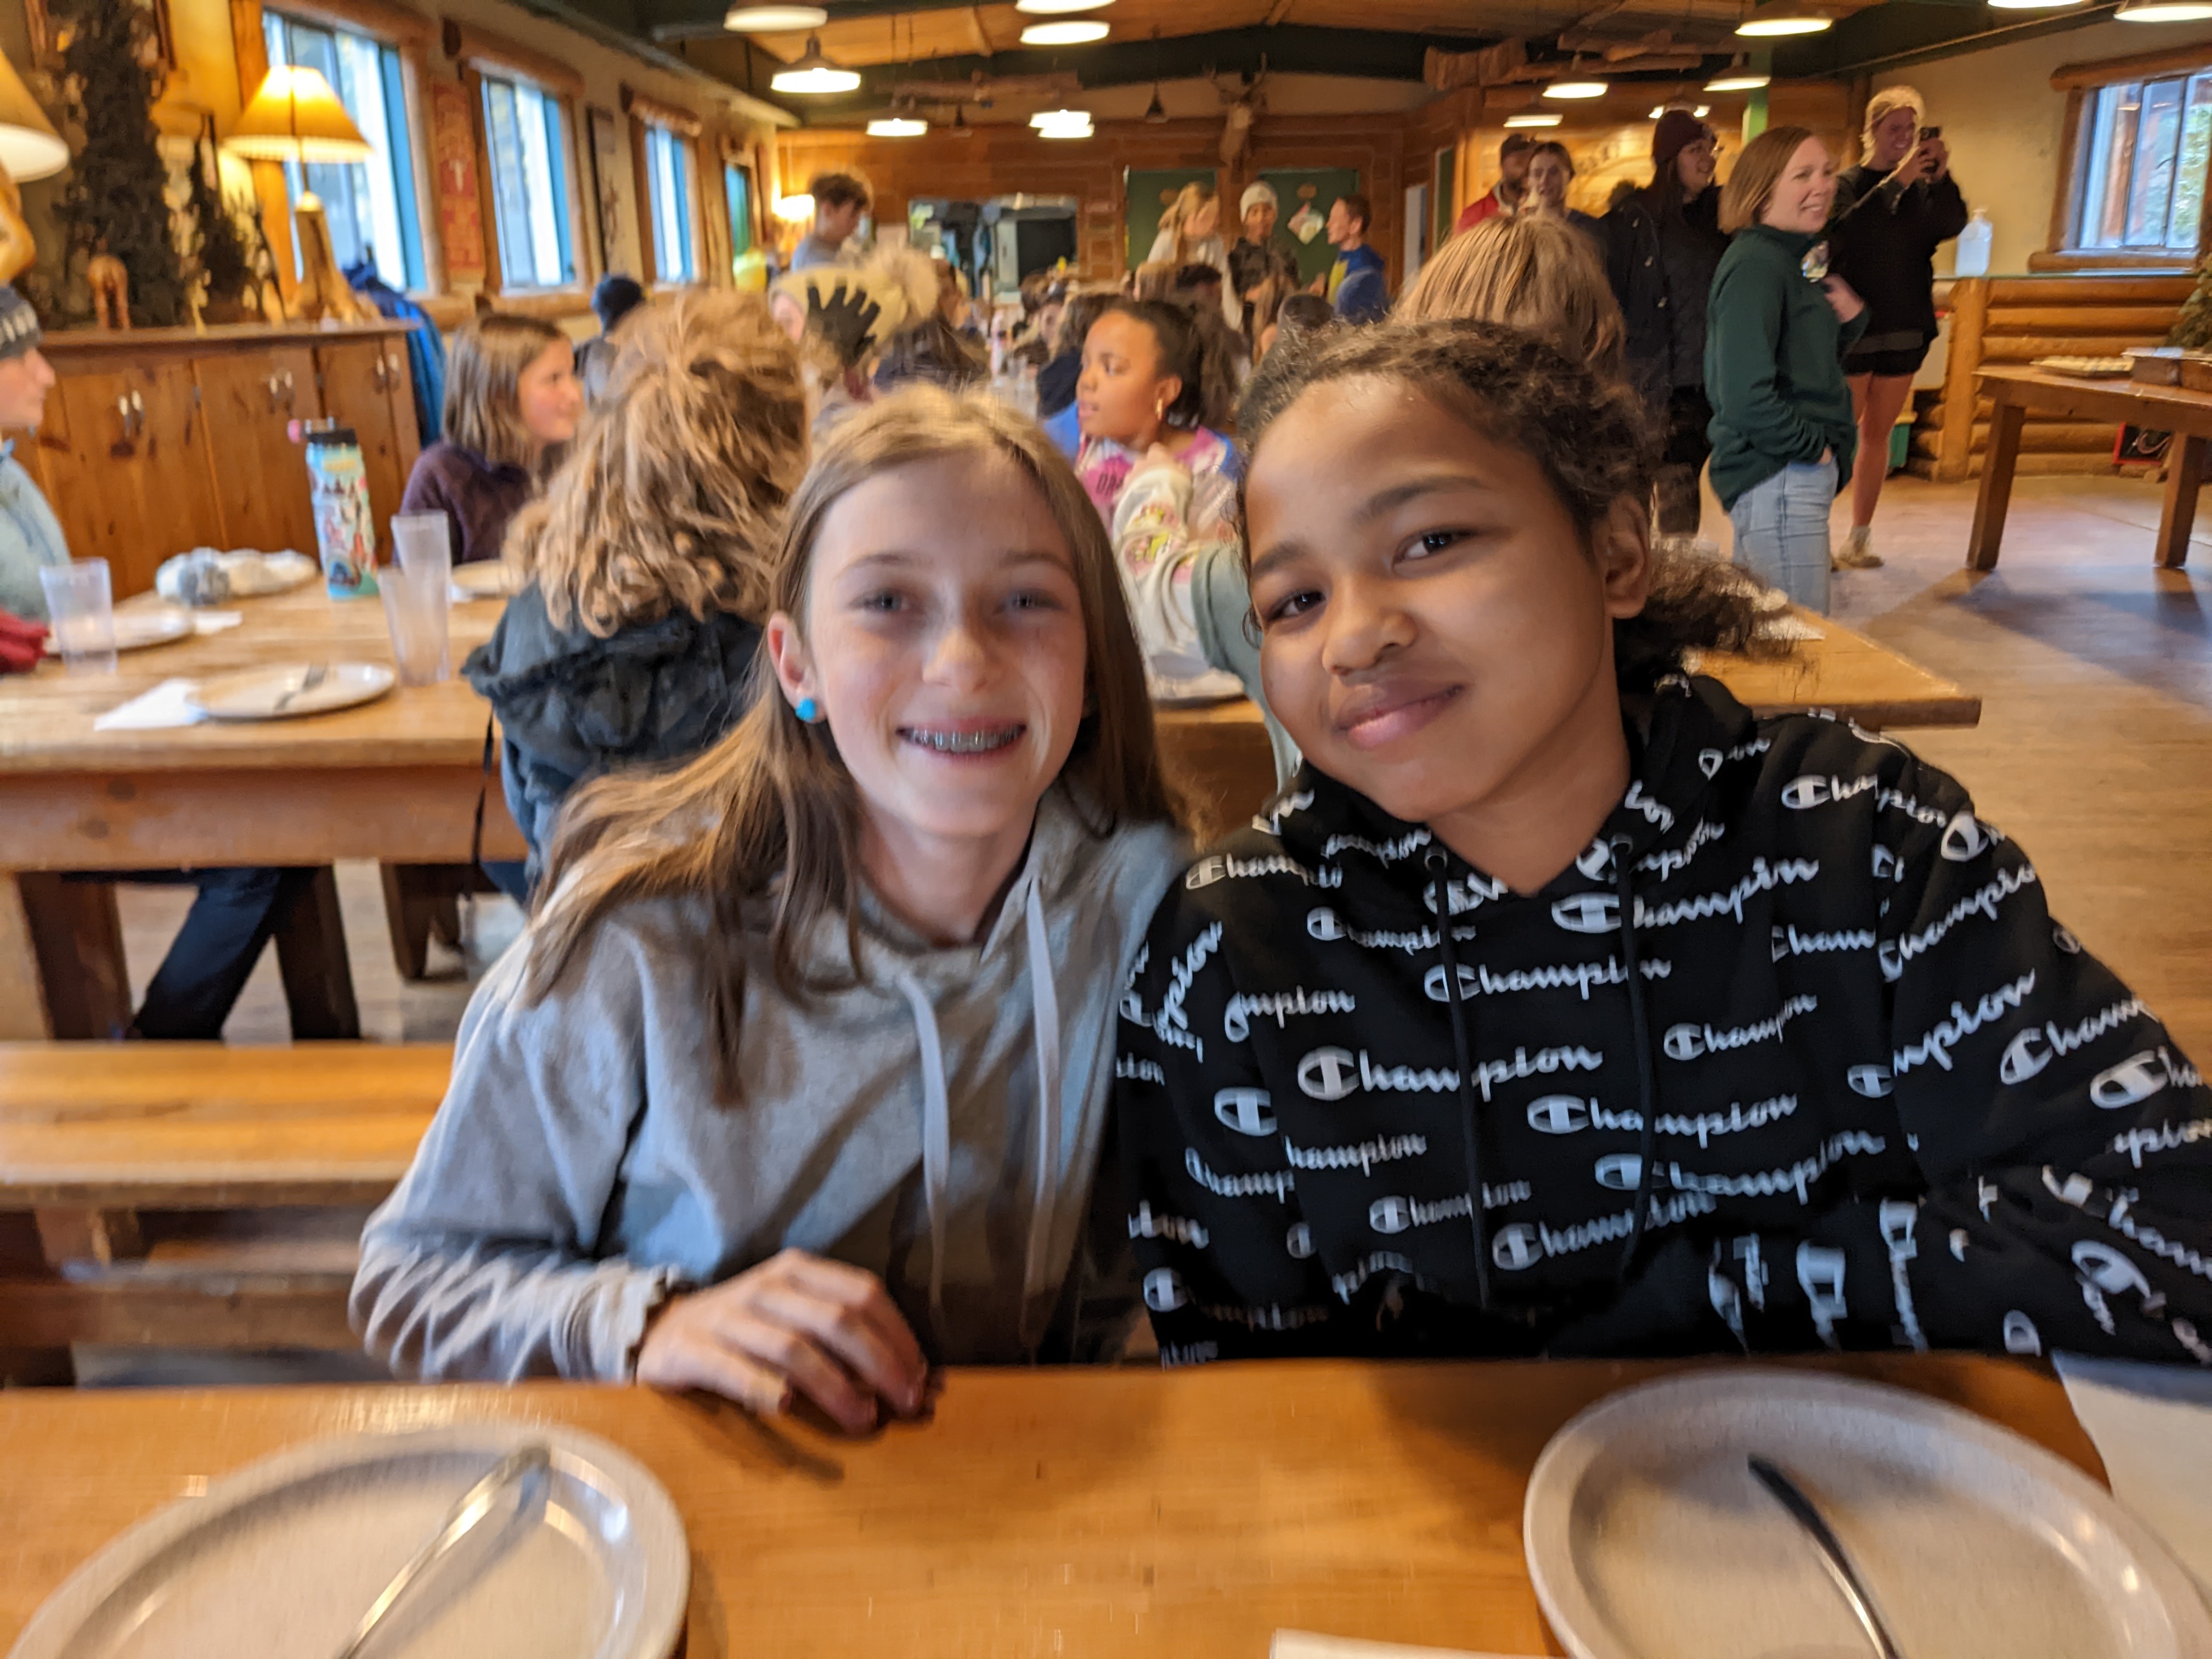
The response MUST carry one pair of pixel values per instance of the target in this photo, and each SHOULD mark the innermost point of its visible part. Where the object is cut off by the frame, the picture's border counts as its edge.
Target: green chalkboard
(1148, 190)
(1296, 188)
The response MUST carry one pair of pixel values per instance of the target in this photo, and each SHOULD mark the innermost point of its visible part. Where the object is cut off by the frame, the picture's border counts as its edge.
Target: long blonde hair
(1188, 200)
(1534, 272)
(770, 813)
(482, 409)
(669, 499)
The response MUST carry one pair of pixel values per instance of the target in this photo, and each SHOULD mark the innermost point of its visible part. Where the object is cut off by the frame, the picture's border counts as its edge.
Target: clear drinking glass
(80, 611)
(415, 602)
(423, 543)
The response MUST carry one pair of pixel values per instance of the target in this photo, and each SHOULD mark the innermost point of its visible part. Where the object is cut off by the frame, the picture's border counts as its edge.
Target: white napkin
(2153, 1427)
(214, 621)
(165, 705)
(1304, 1645)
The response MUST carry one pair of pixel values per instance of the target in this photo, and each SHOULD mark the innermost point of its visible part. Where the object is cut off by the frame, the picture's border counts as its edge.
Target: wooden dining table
(1098, 1513)
(400, 779)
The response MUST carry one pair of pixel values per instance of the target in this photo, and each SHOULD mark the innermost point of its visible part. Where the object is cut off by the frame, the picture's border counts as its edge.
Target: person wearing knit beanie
(30, 536)
(1677, 129)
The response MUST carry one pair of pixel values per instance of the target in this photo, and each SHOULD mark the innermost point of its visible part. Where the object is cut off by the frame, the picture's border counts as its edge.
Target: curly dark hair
(1201, 357)
(1589, 435)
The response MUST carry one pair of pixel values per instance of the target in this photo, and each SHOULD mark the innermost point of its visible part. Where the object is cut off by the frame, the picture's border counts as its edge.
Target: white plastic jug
(1973, 257)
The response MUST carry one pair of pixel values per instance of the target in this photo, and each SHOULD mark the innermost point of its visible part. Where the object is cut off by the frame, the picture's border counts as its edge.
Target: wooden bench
(194, 1195)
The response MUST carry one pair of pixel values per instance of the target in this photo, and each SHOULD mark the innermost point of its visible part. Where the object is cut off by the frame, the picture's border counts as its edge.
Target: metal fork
(316, 674)
(1792, 1497)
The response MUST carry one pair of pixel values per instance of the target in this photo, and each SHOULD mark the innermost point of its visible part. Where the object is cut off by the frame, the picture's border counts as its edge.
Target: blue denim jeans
(1781, 531)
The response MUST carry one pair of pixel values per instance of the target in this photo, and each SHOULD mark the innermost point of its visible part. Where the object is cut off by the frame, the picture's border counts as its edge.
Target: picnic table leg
(77, 938)
(22, 990)
(2184, 468)
(22, 1257)
(1990, 507)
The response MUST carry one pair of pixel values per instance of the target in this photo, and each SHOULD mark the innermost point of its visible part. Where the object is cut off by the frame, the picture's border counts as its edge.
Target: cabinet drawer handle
(132, 408)
(275, 384)
(383, 375)
(291, 392)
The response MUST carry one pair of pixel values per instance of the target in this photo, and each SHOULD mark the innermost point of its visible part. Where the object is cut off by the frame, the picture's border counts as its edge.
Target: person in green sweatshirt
(1778, 323)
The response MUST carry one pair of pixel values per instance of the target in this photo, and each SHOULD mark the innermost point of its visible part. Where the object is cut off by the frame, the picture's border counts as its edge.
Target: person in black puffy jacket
(1561, 1005)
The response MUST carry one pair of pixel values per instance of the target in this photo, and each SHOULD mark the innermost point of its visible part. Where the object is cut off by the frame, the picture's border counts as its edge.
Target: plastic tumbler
(80, 611)
(423, 543)
(415, 606)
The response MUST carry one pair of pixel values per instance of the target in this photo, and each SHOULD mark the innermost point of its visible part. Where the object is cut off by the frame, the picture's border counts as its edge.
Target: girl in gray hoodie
(798, 1079)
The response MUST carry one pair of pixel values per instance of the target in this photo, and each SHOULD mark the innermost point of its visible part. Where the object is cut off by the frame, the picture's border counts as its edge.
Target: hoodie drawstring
(937, 1122)
(1439, 864)
(1639, 1033)
(1044, 1002)
(936, 1137)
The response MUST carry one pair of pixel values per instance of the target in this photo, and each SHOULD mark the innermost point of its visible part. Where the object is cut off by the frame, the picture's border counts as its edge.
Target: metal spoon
(532, 1461)
(1792, 1497)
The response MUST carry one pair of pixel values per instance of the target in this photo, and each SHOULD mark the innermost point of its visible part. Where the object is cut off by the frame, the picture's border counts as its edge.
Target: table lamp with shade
(29, 148)
(295, 117)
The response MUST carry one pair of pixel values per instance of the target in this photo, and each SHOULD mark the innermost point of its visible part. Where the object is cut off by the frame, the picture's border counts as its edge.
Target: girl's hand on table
(797, 1324)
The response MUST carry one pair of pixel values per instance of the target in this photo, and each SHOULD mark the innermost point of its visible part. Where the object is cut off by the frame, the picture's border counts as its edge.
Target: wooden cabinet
(123, 456)
(159, 440)
(366, 387)
(261, 482)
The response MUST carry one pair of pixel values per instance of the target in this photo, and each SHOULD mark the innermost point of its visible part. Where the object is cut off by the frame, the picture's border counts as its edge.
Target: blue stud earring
(809, 710)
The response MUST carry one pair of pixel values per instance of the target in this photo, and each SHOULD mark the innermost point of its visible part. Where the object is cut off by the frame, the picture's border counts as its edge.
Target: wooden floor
(2095, 750)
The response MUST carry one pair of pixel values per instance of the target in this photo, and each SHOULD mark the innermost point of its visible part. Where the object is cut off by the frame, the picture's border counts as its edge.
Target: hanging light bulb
(1062, 123)
(897, 126)
(1781, 17)
(814, 75)
(1575, 89)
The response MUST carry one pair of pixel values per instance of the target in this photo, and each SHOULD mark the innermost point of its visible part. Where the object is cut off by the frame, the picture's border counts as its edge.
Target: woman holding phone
(1893, 211)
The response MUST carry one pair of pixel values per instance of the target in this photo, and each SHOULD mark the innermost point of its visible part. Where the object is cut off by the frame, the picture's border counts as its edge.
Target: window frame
(685, 203)
(707, 264)
(408, 33)
(2081, 83)
(482, 56)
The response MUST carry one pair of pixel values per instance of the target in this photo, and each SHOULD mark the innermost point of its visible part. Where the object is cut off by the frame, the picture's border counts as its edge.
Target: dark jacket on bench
(572, 706)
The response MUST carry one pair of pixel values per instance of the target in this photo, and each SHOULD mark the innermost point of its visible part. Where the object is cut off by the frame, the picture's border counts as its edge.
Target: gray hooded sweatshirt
(939, 1125)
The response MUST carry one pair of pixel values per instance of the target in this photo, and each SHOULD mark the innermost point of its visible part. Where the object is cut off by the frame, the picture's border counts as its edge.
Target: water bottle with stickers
(345, 534)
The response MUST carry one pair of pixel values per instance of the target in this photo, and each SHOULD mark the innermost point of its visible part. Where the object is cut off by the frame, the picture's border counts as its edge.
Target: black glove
(843, 320)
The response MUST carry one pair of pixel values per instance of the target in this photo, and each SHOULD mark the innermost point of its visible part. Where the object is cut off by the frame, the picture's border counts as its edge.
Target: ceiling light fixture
(1702, 111)
(1658, 110)
(1058, 8)
(1739, 76)
(2164, 11)
(795, 209)
(813, 75)
(1575, 89)
(773, 20)
(1074, 33)
(1156, 113)
(1062, 123)
(897, 126)
(1071, 131)
(1781, 17)
(1542, 120)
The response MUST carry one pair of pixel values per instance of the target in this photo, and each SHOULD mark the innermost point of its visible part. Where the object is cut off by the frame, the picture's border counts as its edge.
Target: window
(2147, 145)
(523, 128)
(668, 170)
(370, 205)
(738, 187)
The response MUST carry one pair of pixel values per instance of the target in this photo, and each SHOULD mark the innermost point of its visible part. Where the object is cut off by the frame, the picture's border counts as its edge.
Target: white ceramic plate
(281, 692)
(1648, 1538)
(485, 579)
(285, 1556)
(137, 627)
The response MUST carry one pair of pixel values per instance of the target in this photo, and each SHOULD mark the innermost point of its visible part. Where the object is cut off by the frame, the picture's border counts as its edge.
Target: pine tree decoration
(219, 253)
(2192, 330)
(117, 198)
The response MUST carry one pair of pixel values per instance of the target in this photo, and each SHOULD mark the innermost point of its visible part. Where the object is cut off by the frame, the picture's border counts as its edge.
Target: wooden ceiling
(986, 30)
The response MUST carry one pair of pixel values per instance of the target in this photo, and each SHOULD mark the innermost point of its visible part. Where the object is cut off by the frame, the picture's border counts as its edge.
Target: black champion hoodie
(1796, 1005)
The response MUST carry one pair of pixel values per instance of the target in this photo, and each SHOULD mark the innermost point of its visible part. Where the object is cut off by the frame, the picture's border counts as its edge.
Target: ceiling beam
(977, 32)
(1906, 32)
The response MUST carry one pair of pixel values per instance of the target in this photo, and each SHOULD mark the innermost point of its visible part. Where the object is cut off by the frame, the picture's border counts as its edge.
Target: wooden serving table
(1220, 752)
(396, 780)
(2016, 393)
(1095, 1513)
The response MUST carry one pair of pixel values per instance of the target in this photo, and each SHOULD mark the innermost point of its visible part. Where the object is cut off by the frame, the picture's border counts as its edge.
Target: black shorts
(1892, 362)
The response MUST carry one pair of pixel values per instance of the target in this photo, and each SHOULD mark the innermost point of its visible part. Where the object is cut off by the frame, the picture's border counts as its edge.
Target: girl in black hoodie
(1560, 1006)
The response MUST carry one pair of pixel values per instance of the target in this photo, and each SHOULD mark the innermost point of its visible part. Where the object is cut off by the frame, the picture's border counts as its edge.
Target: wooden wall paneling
(261, 476)
(641, 173)
(2071, 162)
(495, 270)
(466, 44)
